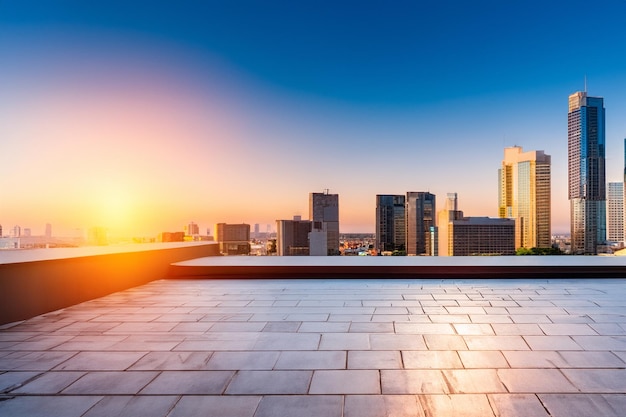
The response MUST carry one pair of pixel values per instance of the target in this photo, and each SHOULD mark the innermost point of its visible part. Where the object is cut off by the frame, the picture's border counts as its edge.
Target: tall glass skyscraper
(390, 222)
(420, 217)
(586, 172)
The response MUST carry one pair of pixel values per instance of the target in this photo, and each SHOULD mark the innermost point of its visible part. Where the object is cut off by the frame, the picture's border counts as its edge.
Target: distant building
(324, 208)
(293, 237)
(444, 217)
(97, 236)
(420, 217)
(234, 239)
(171, 237)
(586, 172)
(192, 229)
(27, 232)
(390, 222)
(16, 231)
(1, 235)
(48, 233)
(473, 236)
(524, 195)
(615, 212)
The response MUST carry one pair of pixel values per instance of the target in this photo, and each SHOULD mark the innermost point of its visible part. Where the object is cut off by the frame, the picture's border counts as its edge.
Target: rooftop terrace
(352, 348)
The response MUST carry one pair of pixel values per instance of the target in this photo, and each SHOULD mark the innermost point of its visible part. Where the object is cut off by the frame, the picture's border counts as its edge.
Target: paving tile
(598, 380)
(345, 341)
(584, 405)
(46, 406)
(517, 405)
(601, 342)
(188, 382)
(445, 342)
(449, 318)
(474, 329)
(135, 406)
(535, 381)
(297, 360)
(324, 327)
(590, 359)
(424, 328)
(473, 381)
(100, 361)
(301, 406)
(495, 343)
(382, 405)
(12, 380)
(551, 343)
(397, 342)
(248, 360)
(574, 329)
(413, 382)
(374, 359)
(282, 326)
(172, 361)
(110, 383)
(488, 359)
(270, 382)
(517, 329)
(466, 405)
(345, 382)
(32, 361)
(287, 341)
(430, 359)
(379, 327)
(608, 329)
(49, 383)
(215, 406)
(535, 359)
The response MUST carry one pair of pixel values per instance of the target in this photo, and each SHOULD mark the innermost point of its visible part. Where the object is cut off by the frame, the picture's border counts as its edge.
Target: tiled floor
(353, 348)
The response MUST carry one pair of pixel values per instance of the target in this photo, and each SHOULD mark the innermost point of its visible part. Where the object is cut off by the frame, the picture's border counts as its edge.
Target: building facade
(524, 195)
(420, 217)
(390, 222)
(324, 208)
(615, 212)
(234, 239)
(444, 217)
(479, 236)
(586, 172)
(292, 237)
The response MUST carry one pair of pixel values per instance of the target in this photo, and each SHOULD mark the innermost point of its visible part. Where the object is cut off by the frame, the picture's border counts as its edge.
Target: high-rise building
(192, 229)
(324, 210)
(474, 236)
(420, 217)
(234, 239)
(390, 222)
(586, 172)
(623, 187)
(524, 195)
(444, 217)
(292, 237)
(615, 212)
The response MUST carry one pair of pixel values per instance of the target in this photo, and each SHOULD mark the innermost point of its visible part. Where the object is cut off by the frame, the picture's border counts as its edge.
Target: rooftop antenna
(585, 83)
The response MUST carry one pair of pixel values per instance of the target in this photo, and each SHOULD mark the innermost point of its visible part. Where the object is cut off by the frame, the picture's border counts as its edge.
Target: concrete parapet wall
(28, 289)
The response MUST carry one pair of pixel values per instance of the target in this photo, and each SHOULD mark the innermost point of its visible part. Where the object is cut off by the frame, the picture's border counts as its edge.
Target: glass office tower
(586, 172)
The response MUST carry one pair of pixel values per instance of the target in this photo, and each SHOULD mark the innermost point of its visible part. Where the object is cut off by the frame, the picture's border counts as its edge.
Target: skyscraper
(420, 217)
(586, 172)
(390, 222)
(524, 195)
(444, 221)
(324, 208)
(615, 212)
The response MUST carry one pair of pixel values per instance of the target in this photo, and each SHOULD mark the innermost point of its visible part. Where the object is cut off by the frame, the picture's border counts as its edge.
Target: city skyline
(140, 119)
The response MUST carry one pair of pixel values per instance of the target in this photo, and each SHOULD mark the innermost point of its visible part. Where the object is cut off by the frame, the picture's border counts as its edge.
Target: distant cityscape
(410, 225)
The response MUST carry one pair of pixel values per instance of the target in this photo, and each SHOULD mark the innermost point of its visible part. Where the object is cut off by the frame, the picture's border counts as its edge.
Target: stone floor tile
(466, 405)
(535, 359)
(46, 406)
(535, 381)
(570, 319)
(172, 361)
(568, 329)
(282, 326)
(591, 359)
(135, 406)
(424, 328)
(345, 382)
(350, 317)
(430, 359)
(100, 361)
(516, 329)
(495, 343)
(601, 342)
(583, 405)
(12, 380)
(488, 359)
(215, 406)
(377, 327)
(374, 359)
(474, 329)
(49, 383)
(598, 380)
(473, 381)
(397, 342)
(551, 343)
(449, 318)
(530, 318)
(517, 405)
(248, 360)
(229, 326)
(382, 405)
(188, 382)
(32, 361)
(269, 382)
(324, 327)
(110, 383)
(214, 345)
(345, 341)
(287, 341)
(298, 360)
(413, 382)
(490, 318)
(445, 342)
(301, 406)
(608, 329)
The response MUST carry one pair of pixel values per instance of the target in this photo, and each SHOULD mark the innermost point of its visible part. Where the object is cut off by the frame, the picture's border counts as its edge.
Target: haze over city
(142, 117)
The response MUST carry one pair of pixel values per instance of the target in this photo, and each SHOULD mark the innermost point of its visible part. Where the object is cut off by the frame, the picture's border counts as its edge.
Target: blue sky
(255, 104)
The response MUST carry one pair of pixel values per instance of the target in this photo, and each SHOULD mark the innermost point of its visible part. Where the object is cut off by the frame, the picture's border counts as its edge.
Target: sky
(143, 116)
